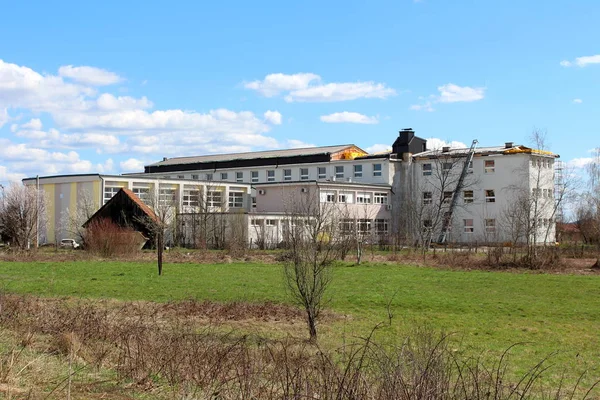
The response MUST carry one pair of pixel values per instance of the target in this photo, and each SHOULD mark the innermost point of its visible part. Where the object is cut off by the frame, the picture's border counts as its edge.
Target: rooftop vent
(165, 158)
(508, 145)
(445, 149)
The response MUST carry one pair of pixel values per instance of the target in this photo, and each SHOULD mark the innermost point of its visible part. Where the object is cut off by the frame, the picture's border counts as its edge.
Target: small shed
(125, 209)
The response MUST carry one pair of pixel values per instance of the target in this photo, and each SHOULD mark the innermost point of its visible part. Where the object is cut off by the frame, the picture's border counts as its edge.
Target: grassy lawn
(484, 310)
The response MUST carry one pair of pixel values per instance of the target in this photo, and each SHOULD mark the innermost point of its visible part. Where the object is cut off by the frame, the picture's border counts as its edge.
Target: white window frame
(377, 169)
(209, 176)
(379, 224)
(363, 198)
(380, 198)
(271, 175)
(427, 198)
(490, 196)
(447, 197)
(270, 222)
(196, 177)
(322, 172)
(224, 176)
(427, 169)
(236, 200)
(339, 171)
(469, 225)
(491, 168)
(254, 176)
(468, 199)
(214, 198)
(112, 190)
(303, 174)
(287, 174)
(239, 177)
(191, 197)
(358, 171)
(143, 193)
(166, 196)
(490, 225)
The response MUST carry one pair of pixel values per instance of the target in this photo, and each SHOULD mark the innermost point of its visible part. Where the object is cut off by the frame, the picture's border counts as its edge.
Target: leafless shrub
(105, 238)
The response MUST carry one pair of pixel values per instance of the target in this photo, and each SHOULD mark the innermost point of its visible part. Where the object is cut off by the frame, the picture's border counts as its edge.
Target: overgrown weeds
(165, 350)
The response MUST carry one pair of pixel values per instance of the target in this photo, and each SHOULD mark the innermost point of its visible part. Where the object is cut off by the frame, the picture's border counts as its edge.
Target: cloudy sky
(112, 86)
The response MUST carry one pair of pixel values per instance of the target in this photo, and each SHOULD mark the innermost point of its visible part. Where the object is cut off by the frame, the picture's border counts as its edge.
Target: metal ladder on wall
(459, 185)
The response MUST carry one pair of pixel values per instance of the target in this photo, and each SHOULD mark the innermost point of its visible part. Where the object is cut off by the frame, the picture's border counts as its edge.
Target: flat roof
(328, 183)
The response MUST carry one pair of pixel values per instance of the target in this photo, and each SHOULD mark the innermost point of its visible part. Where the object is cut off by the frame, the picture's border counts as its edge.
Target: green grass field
(484, 310)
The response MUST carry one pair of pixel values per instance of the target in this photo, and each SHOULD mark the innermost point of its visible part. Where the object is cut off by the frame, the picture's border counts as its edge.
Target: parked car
(69, 244)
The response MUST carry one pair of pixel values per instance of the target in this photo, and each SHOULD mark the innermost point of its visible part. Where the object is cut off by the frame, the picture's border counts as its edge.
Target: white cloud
(8, 176)
(274, 84)
(89, 75)
(340, 92)
(348, 117)
(3, 116)
(307, 87)
(437, 144)
(273, 117)
(297, 144)
(33, 123)
(580, 162)
(451, 93)
(577, 101)
(132, 165)
(422, 107)
(582, 61)
(379, 148)
(107, 167)
(108, 102)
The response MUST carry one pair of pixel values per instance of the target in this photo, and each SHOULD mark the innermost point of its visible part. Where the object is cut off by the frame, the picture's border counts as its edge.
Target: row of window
(544, 193)
(468, 225)
(191, 197)
(348, 225)
(339, 172)
(330, 196)
(541, 162)
(468, 197)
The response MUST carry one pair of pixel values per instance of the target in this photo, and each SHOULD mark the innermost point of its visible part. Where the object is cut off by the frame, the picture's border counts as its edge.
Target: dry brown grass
(165, 351)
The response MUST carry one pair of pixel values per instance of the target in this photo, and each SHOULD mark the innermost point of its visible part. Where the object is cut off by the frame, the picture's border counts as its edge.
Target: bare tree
(313, 238)
(22, 213)
(163, 201)
(588, 208)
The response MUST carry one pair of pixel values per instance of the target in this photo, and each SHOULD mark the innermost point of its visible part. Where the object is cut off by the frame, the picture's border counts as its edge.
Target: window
(254, 176)
(256, 222)
(209, 177)
(214, 198)
(427, 169)
(544, 193)
(287, 174)
(358, 171)
(180, 176)
(381, 226)
(468, 196)
(327, 196)
(304, 174)
(339, 171)
(380, 198)
(346, 225)
(376, 169)
(142, 193)
(191, 198)
(363, 198)
(447, 197)
(447, 166)
(271, 175)
(195, 176)
(253, 202)
(427, 224)
(489, 166)
(535, 192)
(427, 197)
(364, 225)
(322, 173)
(341, 198)
(166, 196)
(239, 177)
(236, 199)
(270, 222)
(224, 176)
(490, 226)
(109, 192)
(468, 224)
(490, 196)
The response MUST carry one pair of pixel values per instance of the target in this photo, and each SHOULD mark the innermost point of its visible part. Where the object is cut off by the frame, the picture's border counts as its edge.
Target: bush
(105, 238)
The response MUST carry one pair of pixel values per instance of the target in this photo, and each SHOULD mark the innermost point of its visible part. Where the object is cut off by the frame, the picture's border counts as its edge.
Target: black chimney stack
(407, 142)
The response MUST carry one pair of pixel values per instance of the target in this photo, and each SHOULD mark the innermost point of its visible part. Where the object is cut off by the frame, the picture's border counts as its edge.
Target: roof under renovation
(258, 158)
(508, 148)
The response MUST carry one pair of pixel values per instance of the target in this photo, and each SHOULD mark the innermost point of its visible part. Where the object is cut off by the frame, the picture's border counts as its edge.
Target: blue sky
(111, 86)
